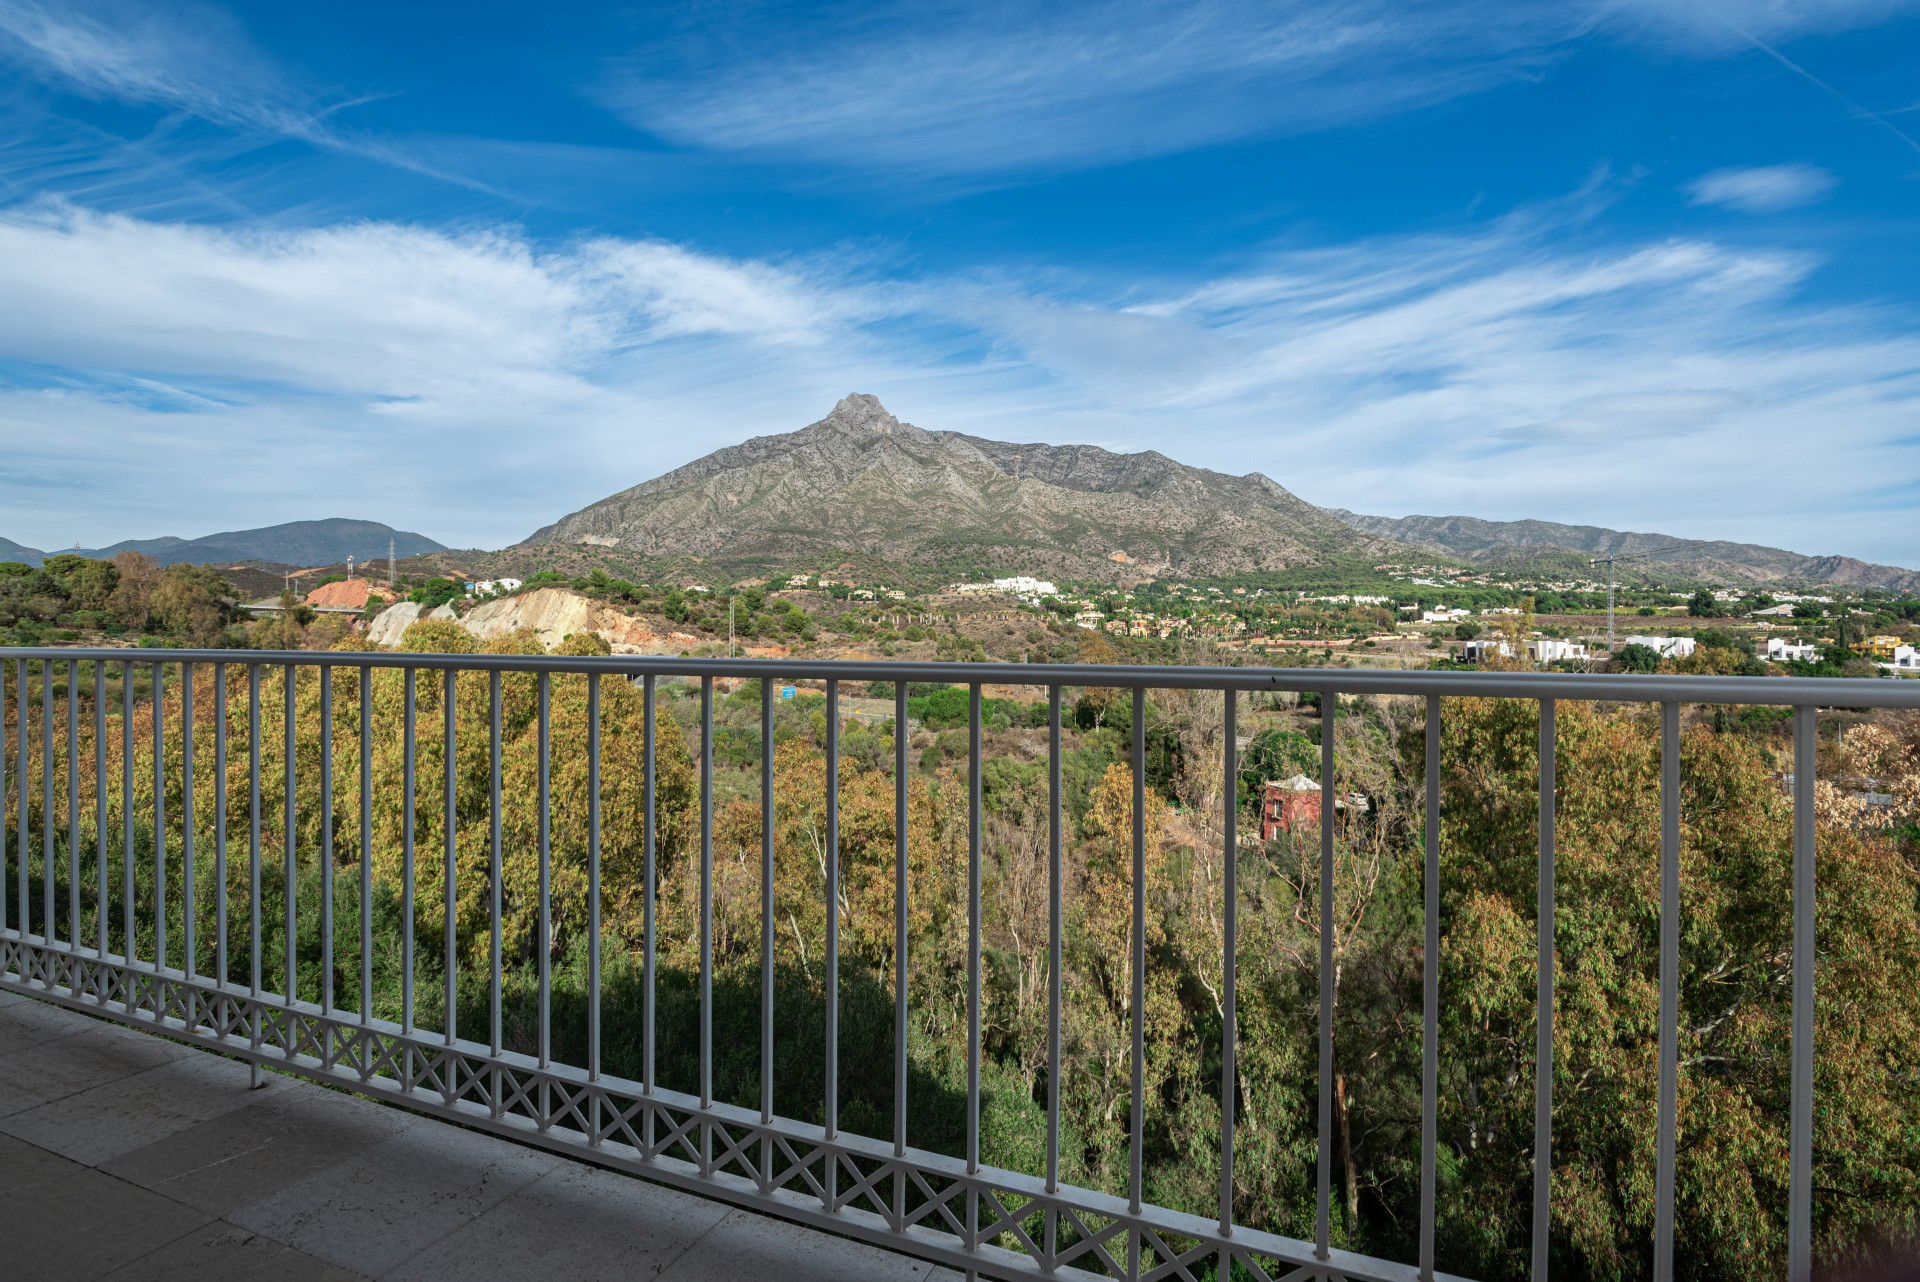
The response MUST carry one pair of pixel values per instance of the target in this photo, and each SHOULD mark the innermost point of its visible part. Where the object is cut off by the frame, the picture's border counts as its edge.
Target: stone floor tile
(280, 1139)
(746, 1245)
(373, 1211)
(574, 1223)
(81, 1224)
(96, 1125)
(222, 1252)
(25, 1022)
(79, 1061)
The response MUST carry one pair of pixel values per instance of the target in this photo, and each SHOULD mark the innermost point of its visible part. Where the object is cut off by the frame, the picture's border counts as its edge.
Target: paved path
(124, 1155)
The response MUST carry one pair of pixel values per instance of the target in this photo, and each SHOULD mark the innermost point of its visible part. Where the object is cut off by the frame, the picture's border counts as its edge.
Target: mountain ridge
(1481, 541)
(319, 542)
(862, 480)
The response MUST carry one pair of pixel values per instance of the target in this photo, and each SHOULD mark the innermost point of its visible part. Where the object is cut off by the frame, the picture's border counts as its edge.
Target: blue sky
(464, 268)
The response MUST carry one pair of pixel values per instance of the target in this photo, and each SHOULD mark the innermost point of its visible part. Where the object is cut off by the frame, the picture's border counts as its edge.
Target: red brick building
(1288, 805)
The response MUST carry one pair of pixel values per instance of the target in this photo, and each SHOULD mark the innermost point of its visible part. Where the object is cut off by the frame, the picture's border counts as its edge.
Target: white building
(1781, 650)
(1485, 648)
(1021, 585)
(1665, 647)
(495, 585)
(1443, 616)
(1551, 650)
(1088, 619)
(1905, 659)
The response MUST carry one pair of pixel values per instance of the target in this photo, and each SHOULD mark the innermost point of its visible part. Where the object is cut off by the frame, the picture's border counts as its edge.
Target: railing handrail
(468, 1080)
(1823, 692)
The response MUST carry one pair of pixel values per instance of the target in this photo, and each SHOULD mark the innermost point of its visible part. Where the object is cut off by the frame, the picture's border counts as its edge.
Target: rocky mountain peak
(861, 412)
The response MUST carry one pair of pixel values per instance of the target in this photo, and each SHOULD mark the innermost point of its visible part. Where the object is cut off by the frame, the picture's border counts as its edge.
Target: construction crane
(1607, 561)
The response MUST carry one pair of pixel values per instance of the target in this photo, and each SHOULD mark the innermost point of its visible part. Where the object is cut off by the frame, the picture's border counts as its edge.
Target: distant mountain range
(299, 543)
(1472, 539)
(860, 480)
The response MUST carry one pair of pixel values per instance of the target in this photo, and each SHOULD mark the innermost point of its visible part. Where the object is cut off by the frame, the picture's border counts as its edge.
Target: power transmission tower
(392, 578)
(1607, 560)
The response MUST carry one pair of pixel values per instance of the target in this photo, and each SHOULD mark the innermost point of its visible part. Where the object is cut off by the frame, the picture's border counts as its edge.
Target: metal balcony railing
(953, 1210)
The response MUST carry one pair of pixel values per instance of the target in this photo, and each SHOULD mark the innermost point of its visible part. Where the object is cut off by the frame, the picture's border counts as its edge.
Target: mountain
(1473, 539)
(860, 480)
(295, 543)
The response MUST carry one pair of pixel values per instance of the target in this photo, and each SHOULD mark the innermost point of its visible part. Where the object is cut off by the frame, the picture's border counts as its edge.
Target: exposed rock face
(554, 614)
(861, 479)
(387, 625)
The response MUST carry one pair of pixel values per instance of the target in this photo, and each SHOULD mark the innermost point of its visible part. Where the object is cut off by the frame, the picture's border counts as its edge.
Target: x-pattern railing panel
(950, 1209)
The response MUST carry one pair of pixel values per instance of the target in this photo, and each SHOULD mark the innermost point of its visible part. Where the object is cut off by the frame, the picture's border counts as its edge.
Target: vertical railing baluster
(450, 830)
(219, 823)
(1056, 897)
(5, 919)
(648, 714)
(900, 909)
(325, 673)
(830, 1168)
(189, 956)
(289, 817)
(1323, 1160)
(48, 876)
(766, 928)
(593, 890)
(494, 978)
(406, 865)
(973, 962)
(1229, 965)
(23, 769)
(706, 923)
(73, 804)
(1800, 1114)
(126, 822)
(253, 835)
(1137, 1120)
(256, 1017)
(1430, 1014)
(99, 806)
(159, 820)
(1543, 1003)
(544, 941)
(1669, 986)
(364, 675)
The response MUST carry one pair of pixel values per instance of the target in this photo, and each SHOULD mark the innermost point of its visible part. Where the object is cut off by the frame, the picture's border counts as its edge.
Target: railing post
(1055, 952)
(1430, 1014)
(901, 906)
(1543, 1005)
(1229, 965)
(706, 923)
(1800, 1117)
(1669, 988)
(1323, 1217)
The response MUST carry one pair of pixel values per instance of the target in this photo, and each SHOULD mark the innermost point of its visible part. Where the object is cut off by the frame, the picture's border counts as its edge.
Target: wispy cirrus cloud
(193, 59)
(1763, 189)
(985, 89)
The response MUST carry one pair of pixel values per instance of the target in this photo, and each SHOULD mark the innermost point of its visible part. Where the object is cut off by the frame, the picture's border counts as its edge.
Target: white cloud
(978, 88)
(938, 90)
(1763, 190)
(162, 378)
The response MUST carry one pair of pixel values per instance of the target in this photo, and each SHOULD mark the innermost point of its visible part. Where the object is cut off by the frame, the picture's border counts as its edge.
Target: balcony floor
(124, 1155)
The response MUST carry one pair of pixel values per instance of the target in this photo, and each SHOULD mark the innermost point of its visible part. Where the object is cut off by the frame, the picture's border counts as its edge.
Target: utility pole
(729, 625)
(392, 578)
